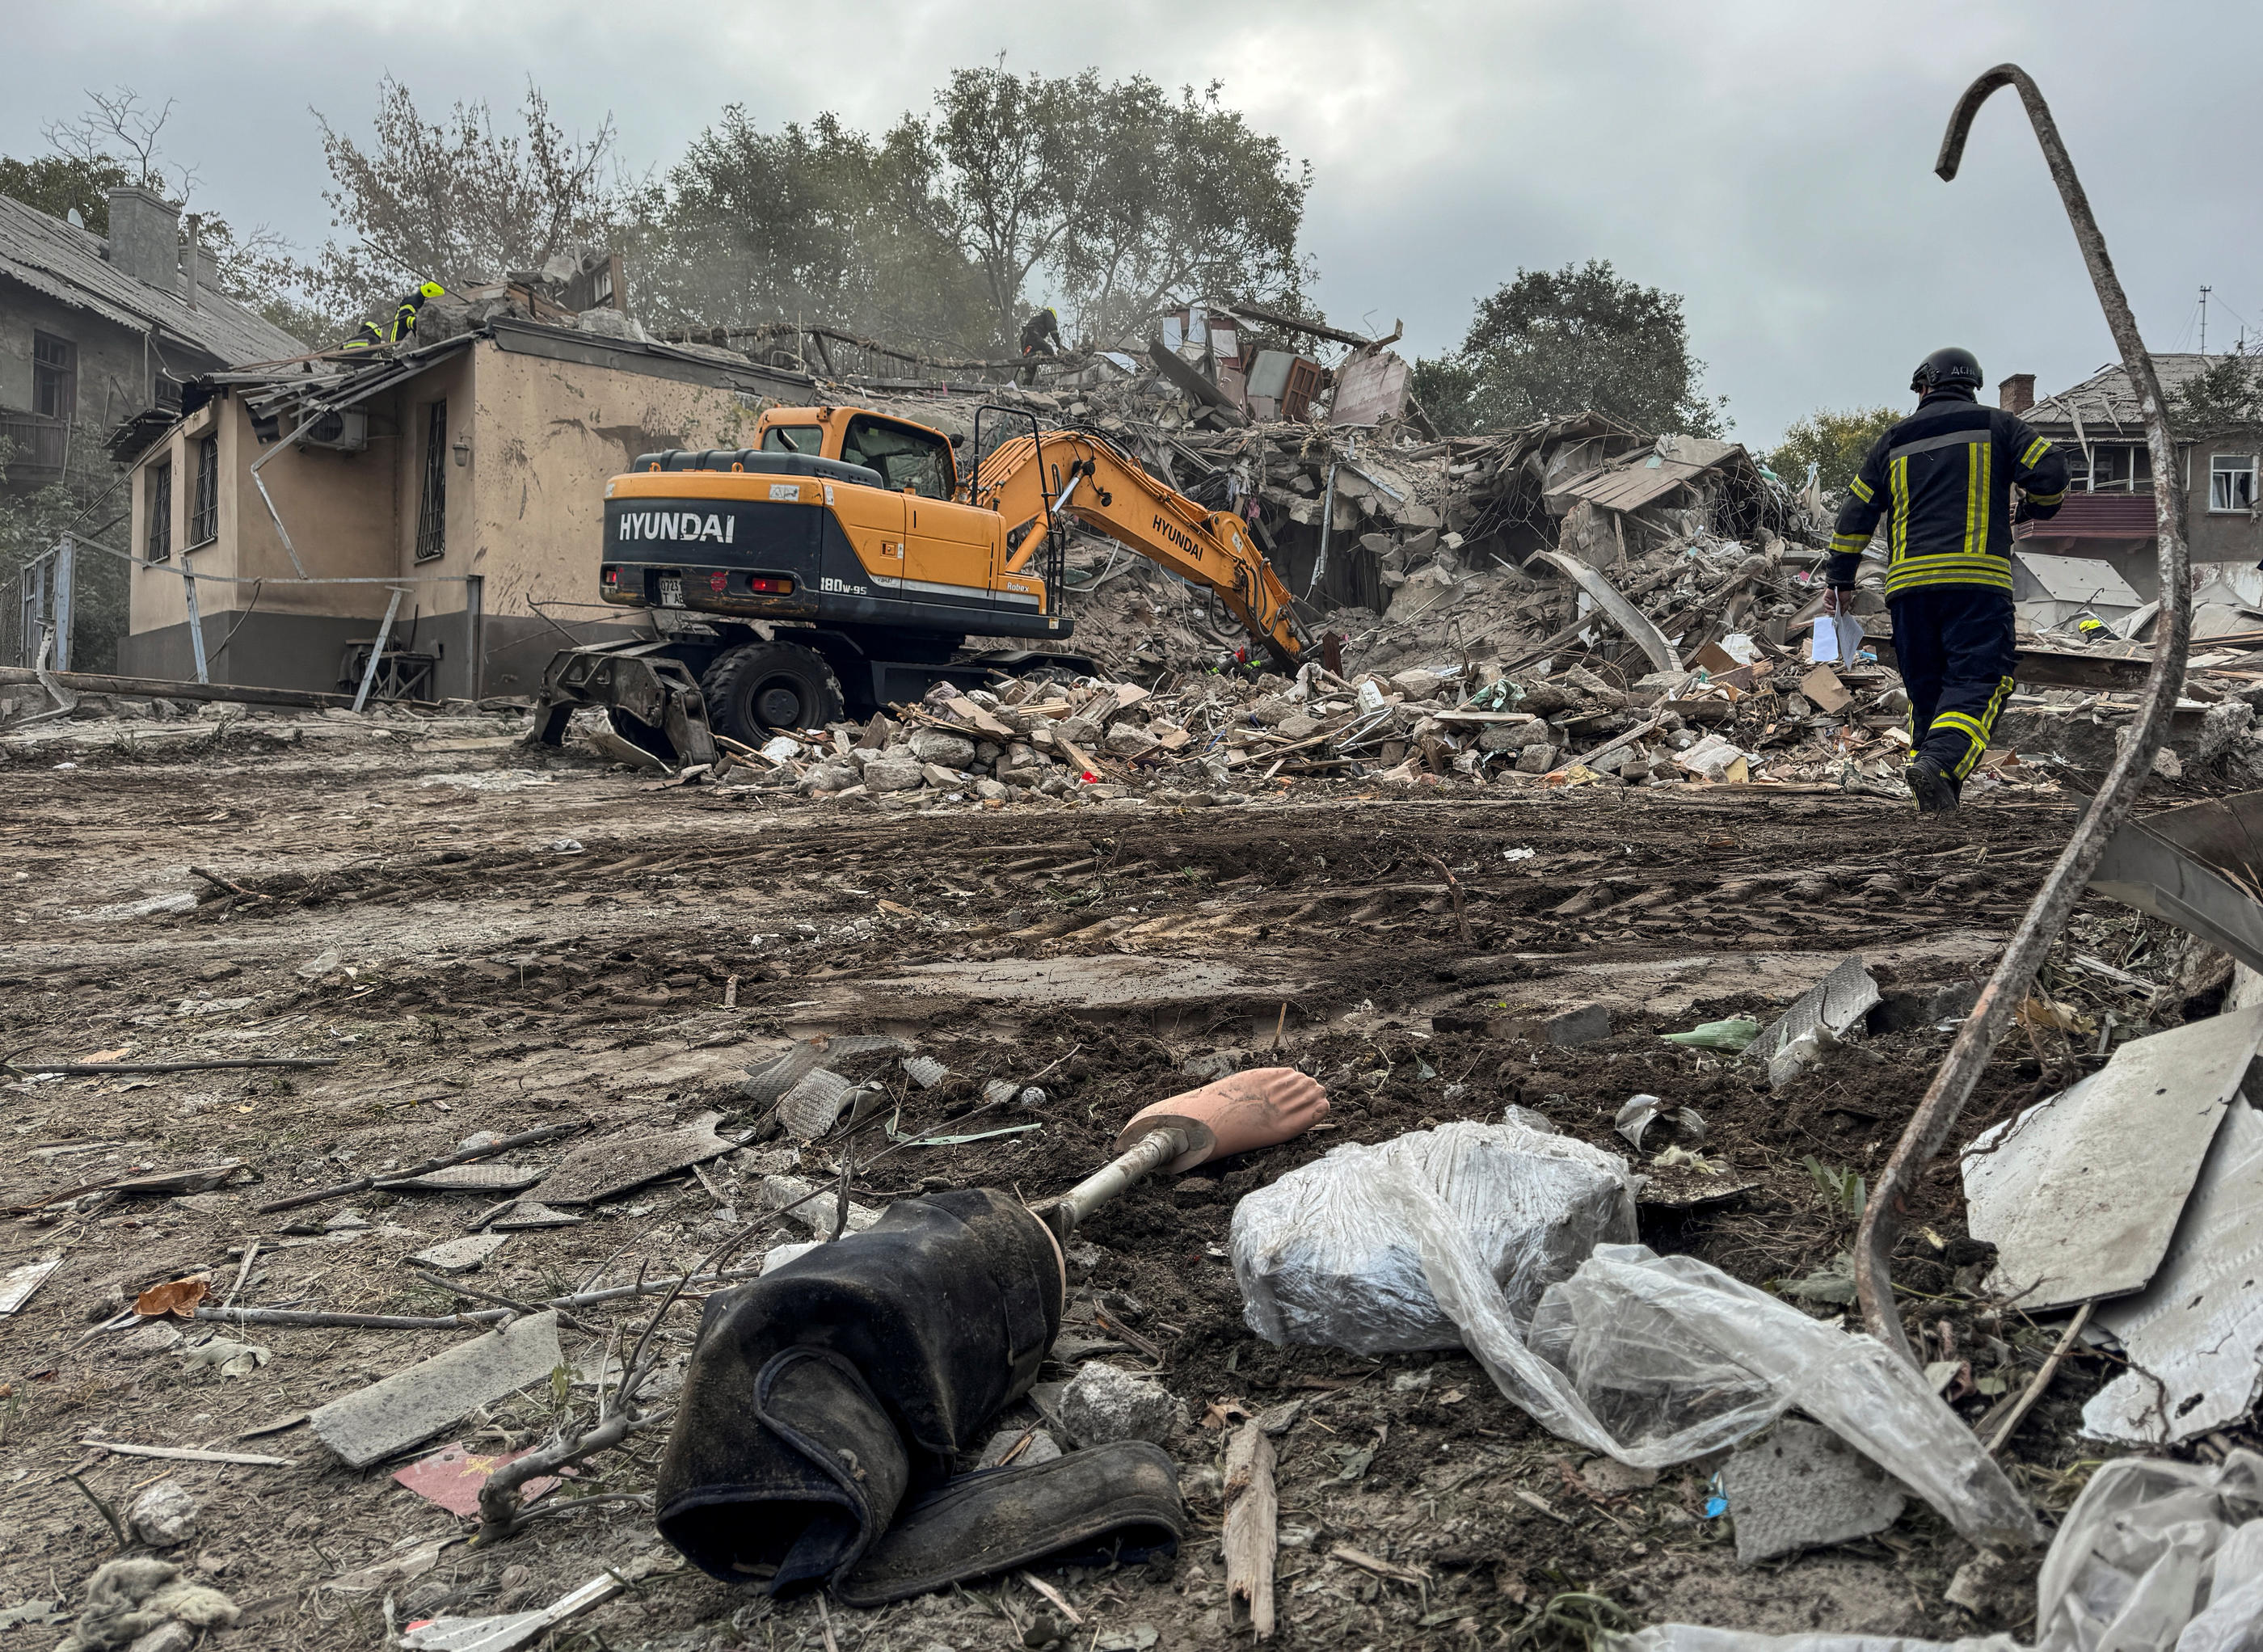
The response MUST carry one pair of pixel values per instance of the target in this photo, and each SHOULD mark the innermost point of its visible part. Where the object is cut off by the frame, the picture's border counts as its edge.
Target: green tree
(1835, 441)
(1562, 341)
(2228, 392)
(56, 183)
(813, 223)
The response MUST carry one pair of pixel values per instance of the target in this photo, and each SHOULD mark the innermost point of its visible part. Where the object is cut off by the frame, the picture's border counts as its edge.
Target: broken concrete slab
(415, 1404)
(1802, 1487)
(604, 1169)
(2075, 1214)
(2195, 1336)
(1565, 1027)
(460, 1256)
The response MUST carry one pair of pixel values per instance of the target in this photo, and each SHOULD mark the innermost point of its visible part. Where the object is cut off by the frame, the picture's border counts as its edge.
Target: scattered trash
(127, 1600)
(452, 1476)
(1735, 1033)
(1821, 1018)
(509, 1631)
(176, 1297)
(1641, 1113)
(418, 1402)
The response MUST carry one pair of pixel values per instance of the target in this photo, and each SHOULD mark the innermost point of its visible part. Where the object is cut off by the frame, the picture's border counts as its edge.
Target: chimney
(2015, 392)
(145, 236)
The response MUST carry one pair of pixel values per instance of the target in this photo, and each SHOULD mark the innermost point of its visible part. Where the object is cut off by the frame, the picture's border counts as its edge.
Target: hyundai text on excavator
(839, 564)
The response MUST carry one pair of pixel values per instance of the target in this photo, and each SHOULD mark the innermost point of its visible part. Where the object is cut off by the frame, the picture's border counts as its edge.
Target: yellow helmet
(431, 289)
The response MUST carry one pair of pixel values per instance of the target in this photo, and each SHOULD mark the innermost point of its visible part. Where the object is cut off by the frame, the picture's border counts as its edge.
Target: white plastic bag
(1325, 1255)
(1457, 1234)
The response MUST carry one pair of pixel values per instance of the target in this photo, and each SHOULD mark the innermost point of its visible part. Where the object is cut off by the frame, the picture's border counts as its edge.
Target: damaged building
(465, 471)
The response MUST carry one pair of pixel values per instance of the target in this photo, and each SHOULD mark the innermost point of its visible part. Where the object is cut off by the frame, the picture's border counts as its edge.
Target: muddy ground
(481, 943)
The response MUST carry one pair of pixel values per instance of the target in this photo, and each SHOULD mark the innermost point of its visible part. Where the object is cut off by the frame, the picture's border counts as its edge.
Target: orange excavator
(841, 564)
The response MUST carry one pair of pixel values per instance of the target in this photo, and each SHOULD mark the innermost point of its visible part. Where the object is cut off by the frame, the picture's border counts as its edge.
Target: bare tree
(122, 128)
(455, 200)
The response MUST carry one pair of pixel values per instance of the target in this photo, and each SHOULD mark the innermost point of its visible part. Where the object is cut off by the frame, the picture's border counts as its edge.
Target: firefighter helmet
(1944, 368)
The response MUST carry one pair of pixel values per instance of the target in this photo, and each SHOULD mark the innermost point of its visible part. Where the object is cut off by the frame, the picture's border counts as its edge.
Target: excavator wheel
(764, 686)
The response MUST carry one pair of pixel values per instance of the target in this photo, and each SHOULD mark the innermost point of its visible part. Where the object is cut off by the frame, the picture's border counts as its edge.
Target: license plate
(671, 593)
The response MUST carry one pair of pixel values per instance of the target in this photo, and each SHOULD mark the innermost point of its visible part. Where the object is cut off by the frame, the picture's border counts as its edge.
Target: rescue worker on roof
(1040, 335)
(1941, 481)
(369, 334)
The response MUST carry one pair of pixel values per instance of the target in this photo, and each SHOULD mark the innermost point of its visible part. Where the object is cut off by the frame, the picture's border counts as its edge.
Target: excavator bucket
(652, 702)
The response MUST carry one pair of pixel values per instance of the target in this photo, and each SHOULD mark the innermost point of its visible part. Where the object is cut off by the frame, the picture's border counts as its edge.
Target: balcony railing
(37, 448)
(2095, 516)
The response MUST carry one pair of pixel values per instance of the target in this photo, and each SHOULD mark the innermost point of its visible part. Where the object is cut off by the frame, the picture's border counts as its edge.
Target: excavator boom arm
(1073, 474)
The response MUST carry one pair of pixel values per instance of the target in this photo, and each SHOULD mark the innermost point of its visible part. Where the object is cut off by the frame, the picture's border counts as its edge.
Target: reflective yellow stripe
(2047, 498)
(1983, 463)
(1899, 541)
(1848, 544)
(2036, 449)
(1861, 489)
(1949, 569)
(1972, 512)
(1976, 730)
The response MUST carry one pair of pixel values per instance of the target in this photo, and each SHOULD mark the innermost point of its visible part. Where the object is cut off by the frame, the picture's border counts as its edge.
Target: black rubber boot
(1934, 793)
(1113, 1503)
(934, 1319)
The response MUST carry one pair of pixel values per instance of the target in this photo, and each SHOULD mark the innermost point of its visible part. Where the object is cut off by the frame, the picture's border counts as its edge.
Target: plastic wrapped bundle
(1326, 1254)
(1506, 1240)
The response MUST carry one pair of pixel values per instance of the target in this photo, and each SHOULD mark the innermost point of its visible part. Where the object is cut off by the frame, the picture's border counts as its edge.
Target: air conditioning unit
(348, 432)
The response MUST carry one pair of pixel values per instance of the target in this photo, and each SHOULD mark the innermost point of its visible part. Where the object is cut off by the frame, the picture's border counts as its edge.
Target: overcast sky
(1771, 162)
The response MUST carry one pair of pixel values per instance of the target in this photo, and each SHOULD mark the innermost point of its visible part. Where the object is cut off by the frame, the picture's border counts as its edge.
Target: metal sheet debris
(2074, 1214)
(2195, 1336)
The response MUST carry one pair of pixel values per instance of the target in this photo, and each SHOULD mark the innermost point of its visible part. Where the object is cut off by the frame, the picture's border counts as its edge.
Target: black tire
(764, 686)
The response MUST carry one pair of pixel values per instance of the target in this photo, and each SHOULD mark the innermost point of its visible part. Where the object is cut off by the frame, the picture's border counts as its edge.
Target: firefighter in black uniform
(1941, 481)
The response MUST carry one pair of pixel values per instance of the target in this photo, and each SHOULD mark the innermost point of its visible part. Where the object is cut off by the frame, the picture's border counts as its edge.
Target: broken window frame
(157, 495)
(2231, 483)
(204, 514)
(432, 501)
(54, 377)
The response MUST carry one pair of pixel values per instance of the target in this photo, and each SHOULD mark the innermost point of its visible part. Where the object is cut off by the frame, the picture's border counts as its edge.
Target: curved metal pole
(1991, 1015)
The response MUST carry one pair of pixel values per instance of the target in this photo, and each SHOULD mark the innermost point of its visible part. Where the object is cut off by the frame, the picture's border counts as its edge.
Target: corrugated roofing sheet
(66, 263)
(2105, 403)
(1633, 482)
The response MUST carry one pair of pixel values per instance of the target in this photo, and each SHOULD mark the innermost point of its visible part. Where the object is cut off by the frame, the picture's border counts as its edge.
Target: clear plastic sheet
(2155, 1556)
(1327, 1256)
(1449, 1236)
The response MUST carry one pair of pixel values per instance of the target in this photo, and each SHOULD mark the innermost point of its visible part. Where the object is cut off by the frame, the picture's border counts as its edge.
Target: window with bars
(204, 518)
(432, 508)
(159, 542)
(54, 377)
